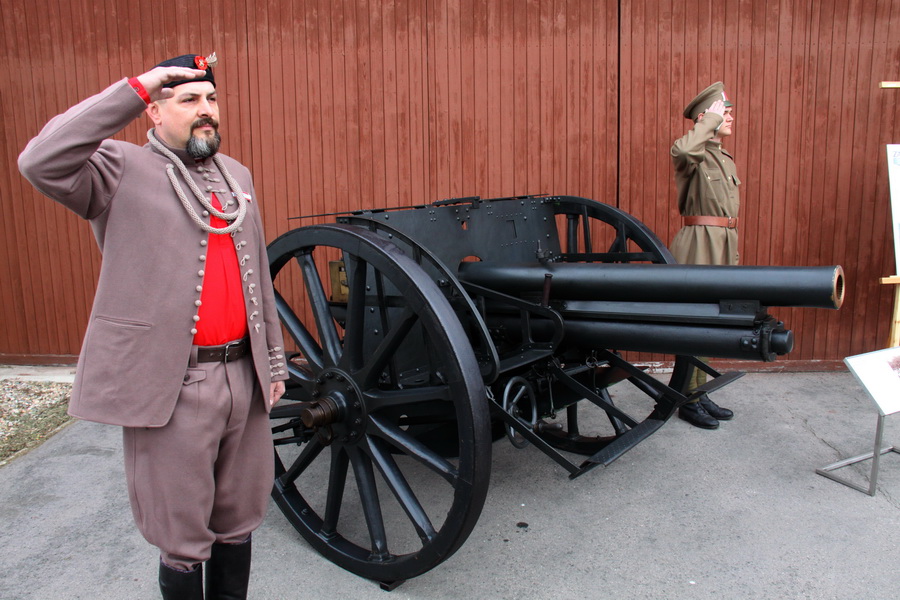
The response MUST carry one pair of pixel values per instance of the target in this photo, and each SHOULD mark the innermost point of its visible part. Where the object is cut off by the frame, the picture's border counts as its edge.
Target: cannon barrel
(814, 287)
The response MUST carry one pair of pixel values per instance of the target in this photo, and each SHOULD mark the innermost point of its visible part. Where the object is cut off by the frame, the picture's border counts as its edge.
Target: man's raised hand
(154, 80)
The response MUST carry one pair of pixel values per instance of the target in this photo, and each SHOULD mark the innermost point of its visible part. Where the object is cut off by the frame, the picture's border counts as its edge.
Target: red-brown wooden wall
(347, 104)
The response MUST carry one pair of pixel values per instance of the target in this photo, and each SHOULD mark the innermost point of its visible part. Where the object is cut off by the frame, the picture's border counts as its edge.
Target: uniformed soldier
(183, 347)
(708, 200)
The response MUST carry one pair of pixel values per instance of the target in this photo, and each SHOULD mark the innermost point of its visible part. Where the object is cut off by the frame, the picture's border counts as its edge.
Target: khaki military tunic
(707, 184)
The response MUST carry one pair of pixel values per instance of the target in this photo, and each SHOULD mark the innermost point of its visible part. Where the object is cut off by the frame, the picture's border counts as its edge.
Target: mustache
(204, 121)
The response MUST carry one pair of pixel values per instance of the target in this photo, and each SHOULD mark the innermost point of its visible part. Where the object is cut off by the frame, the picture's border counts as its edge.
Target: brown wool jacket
(138, 340)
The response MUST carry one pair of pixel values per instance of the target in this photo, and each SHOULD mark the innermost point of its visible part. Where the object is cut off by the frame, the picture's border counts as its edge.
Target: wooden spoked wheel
(382, 366)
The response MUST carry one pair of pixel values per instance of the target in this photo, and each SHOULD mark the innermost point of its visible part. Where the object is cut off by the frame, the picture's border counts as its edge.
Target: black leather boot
(180, 585)
(228, 571)
(696, 415)
(714, 410)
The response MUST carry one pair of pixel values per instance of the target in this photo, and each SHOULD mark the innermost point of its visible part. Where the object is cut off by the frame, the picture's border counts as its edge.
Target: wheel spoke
(354, 327)
(301, 384)
(337, 478)
(368, 495)
(378, 399)
(388, 347)
(415, 449)
(401, 489)
(328, 335)
(299, 333)
(307, 456)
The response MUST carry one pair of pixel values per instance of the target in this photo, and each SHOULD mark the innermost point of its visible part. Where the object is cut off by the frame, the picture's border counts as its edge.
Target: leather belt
(224, 353)
(727, 222)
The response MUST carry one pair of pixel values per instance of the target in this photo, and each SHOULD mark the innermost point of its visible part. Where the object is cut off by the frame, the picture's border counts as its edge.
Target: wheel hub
(337, 408)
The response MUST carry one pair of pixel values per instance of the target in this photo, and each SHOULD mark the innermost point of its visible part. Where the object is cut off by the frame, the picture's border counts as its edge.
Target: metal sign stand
(875, 455)
(879, 373)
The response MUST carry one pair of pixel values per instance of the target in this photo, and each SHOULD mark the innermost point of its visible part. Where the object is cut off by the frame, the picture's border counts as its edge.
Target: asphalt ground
(734, 513)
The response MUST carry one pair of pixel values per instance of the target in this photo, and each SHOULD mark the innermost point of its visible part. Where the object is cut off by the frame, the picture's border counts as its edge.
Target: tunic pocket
(718, 186)
(194, 376)
(110, 361)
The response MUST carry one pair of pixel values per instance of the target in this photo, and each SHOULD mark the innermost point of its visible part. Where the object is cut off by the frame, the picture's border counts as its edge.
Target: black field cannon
(422, 335)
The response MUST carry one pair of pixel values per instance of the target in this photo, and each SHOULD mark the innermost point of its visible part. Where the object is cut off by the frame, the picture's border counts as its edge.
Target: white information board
(893, 156)
(879, 374)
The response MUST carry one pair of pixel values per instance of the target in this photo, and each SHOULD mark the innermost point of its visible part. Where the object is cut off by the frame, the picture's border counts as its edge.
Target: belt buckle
(230, 345)
(731, 223)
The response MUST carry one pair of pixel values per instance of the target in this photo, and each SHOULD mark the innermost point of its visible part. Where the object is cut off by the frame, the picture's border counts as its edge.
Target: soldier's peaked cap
(704, 99)
(191, 61)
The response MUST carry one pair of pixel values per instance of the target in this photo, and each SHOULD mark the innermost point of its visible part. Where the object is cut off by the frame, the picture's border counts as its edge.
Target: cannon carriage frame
(440, 328)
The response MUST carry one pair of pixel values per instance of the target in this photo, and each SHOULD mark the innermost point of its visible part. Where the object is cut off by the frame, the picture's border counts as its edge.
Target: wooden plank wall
(810, 127)
(345, 104)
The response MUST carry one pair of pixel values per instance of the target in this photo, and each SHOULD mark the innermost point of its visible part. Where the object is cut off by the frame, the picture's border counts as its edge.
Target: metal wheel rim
(371, 455)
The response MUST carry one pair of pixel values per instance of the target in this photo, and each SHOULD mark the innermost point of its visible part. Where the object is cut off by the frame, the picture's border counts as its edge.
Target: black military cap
(704, 99)
(192, 61)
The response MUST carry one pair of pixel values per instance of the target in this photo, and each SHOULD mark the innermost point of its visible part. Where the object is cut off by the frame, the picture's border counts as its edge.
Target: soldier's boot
(175, 584)
(714, 410)
(696, 415)
(228, 571)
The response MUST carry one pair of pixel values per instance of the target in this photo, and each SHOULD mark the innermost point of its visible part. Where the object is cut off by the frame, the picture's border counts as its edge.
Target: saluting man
(183, 348)
(708, 200)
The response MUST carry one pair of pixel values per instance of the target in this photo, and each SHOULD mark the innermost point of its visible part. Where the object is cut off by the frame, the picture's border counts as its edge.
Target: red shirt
(223, 316)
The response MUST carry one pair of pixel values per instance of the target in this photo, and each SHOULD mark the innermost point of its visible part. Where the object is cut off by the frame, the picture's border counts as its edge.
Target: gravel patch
(30, 412)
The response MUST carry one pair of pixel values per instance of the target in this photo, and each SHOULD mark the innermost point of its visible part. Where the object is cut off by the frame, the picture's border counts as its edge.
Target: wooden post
(894, 337)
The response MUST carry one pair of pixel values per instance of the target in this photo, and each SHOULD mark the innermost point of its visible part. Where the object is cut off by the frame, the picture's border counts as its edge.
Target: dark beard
(201, 148)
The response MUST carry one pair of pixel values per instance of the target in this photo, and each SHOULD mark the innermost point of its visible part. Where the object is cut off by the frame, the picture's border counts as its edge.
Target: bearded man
(183, 349)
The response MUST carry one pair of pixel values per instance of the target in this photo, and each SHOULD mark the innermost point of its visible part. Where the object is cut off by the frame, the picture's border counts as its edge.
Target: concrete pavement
(733, 513)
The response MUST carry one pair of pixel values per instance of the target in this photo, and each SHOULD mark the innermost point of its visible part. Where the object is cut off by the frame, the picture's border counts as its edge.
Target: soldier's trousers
(698, 377)
(205, 476)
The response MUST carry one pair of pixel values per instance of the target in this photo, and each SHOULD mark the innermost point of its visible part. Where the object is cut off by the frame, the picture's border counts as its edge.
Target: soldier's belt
(727, 222)
(225, 352)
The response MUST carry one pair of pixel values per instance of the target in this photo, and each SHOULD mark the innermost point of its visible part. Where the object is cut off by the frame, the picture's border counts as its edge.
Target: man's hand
(276, 390)
(717, 107)
(154, 79)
